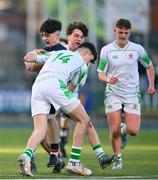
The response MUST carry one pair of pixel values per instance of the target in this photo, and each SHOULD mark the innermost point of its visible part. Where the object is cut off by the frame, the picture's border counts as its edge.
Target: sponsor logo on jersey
(115, 57)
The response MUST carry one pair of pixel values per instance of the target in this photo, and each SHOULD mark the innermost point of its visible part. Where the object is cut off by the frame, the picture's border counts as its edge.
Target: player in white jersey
(118, 68)
(60, 75)
(76, 33)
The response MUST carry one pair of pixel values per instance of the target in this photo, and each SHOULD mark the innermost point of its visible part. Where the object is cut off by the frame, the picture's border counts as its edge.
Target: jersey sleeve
(144, 58)
(78, 75)
(103, 62)
(83, 80)
(43, 57)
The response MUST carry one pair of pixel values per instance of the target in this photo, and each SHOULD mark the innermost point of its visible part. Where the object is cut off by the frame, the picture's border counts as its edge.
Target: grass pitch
(140, 157)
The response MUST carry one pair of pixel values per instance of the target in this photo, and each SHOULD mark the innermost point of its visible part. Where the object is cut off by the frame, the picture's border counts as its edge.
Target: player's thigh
(79, 114)
(68, 122)
(113, 106)
(65, 120)
(133, 122)
(114, 120)
(40, 122)
(53, 125)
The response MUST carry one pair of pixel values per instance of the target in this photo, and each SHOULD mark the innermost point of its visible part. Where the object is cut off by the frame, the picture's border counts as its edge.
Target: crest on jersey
(135, 106)
(130, 56)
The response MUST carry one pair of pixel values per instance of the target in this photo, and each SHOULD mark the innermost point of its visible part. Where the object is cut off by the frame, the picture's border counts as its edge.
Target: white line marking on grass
(76, 177)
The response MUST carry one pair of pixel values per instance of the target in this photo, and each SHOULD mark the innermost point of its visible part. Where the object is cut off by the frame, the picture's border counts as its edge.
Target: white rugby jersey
(65, 65)
(83, 81)
(123, 64)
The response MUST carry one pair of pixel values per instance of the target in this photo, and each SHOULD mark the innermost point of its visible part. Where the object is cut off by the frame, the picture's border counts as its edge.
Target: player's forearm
(30, 57)
(151, 76)
(110, 80)
(31, 66)
(37, 67)
(103, 77)
(37, 58)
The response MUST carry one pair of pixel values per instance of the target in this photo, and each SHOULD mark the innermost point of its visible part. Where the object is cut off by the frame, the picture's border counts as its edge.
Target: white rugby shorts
(50, 90)
(114, 102)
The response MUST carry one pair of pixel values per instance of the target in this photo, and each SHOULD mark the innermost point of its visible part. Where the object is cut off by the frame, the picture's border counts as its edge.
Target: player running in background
(118, 68)
(61, 69)
(50, 33)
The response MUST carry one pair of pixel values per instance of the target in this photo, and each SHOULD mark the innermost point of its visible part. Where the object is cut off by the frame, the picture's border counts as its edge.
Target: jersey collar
(127, 45)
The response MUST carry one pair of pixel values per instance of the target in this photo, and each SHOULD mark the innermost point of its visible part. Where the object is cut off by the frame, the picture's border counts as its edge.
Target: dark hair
(91, 47)
(77, 25)
(50, 26)
(123, 23)
(63, 40)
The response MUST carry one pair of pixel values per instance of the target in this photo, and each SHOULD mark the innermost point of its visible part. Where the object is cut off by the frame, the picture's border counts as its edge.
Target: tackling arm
(34, 61)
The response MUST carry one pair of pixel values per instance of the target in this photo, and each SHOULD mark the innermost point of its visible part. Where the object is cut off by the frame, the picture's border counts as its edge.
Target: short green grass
(140, 157)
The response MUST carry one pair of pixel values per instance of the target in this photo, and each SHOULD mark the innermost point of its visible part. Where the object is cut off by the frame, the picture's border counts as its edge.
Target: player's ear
(86, 51)
(83, 52)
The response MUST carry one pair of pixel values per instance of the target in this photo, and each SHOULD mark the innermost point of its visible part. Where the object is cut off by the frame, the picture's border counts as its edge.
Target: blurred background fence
(19, 33)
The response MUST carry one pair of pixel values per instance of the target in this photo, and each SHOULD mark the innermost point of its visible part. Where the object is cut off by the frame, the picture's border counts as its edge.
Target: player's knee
(85, 121)
(115, 133)
(133, 132)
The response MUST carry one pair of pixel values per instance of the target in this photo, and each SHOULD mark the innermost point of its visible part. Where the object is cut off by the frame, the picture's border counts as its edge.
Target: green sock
(28, 152)
(98, 150)
(75, 154)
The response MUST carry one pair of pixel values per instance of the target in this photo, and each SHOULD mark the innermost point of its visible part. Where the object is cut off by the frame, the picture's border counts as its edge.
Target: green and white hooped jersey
(123, 64)
(65, 65)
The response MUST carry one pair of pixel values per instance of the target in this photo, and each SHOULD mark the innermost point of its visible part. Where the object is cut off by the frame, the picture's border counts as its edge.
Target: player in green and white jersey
(76, 33)
(118, 68)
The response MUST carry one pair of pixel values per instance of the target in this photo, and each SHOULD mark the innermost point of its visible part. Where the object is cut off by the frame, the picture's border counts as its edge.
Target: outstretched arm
(35, 60)
(31, 66)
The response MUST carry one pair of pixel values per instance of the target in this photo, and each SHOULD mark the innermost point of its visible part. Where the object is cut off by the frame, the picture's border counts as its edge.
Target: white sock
(123, 130)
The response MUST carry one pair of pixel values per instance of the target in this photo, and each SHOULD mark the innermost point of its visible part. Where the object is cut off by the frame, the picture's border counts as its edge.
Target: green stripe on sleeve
(102, 64)
(147, 60)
